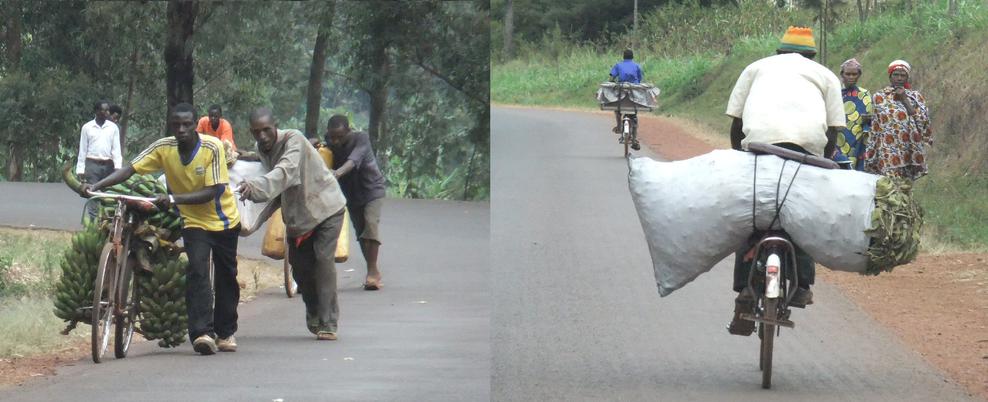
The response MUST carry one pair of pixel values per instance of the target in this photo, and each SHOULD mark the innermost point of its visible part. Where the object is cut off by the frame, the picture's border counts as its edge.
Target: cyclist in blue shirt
(626, 71)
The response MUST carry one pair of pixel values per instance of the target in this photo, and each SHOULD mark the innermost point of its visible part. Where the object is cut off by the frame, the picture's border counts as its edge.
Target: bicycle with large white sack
(774, 276)
(627, 99)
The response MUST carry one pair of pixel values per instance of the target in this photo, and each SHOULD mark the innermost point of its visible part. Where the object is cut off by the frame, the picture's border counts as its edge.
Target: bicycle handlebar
(99, 194)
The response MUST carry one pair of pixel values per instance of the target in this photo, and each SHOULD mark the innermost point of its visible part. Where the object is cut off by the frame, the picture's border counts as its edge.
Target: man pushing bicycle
(196, 171)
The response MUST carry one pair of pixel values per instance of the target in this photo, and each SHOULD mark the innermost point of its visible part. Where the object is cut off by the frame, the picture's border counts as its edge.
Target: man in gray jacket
(312, 206)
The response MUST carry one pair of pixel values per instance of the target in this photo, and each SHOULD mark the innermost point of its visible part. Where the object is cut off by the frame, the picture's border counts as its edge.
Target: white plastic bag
(698, 211)
(249, 211)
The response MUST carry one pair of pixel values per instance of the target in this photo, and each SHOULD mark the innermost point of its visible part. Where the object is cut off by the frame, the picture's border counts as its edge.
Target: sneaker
(744, 303)
(205, 345)
(227, 344)
(802, 298)
(636, 146)
(326, 336)
(616, 129)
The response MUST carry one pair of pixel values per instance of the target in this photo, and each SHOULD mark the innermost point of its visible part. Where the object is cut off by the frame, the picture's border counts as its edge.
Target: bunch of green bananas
(74, 289)
(896, 223)
(163, 312)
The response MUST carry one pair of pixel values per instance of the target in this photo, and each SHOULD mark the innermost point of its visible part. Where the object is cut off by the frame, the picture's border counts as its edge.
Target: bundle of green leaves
(896, 223)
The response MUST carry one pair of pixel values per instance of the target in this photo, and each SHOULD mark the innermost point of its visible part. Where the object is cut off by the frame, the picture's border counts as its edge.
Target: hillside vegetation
(695, 54)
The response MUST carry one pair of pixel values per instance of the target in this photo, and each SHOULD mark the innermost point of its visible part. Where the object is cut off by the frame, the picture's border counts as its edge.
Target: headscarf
(798, 39)
(901, 65)
(850, 63)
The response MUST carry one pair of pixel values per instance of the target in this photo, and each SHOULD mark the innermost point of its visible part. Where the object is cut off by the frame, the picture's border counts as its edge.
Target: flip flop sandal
(372, 286)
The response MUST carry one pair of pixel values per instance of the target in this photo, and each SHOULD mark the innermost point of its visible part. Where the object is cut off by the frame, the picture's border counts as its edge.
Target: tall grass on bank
(956, 209)
(572, 80)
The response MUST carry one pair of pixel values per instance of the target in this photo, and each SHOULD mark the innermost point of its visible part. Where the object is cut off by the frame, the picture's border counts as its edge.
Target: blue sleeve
(614, 71)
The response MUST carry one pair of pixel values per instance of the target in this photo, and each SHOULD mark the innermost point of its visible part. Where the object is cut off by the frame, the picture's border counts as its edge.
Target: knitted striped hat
(798, 39)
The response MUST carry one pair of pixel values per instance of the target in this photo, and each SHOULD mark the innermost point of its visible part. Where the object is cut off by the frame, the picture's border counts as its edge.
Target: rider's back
(787, 98)
(627, 71)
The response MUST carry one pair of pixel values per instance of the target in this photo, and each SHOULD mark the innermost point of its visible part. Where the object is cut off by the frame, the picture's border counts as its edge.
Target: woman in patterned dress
(857, 107)
(900, 131)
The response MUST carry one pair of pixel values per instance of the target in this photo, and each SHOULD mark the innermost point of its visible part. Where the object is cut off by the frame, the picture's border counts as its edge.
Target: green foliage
(248, 55)
(437, 74)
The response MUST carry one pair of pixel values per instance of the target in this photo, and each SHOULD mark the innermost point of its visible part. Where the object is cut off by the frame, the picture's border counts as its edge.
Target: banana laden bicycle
(116, 295)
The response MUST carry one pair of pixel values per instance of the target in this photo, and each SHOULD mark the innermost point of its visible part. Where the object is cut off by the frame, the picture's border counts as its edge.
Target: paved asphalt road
(576, 315)
(424, 337)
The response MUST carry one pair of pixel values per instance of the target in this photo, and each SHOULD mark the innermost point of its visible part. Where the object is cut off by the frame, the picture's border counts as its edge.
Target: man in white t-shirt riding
(793, 102)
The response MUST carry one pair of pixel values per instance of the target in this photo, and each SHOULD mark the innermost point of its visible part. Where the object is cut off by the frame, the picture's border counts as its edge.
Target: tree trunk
(952, 8)
(313, 100)
(178, 51)
(824, 27)
(125, 118)
(509, 30)
(14, 45)
(862, 17)
(634, 32)
(378, 106)
(466, 181)
(379, 93)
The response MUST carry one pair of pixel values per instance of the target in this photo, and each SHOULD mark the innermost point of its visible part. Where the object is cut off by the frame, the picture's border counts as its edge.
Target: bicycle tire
(290, 286)
(761, 346)
(101, 314)
(768, 339)
(124, 323)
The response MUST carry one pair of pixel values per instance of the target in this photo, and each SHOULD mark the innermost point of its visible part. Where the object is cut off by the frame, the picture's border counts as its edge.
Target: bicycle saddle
(760, 147)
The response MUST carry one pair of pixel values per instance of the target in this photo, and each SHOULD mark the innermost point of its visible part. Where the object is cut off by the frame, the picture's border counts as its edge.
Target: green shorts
(366, 220)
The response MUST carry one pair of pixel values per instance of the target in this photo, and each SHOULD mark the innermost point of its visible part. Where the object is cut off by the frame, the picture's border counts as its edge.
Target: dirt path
(938, 305)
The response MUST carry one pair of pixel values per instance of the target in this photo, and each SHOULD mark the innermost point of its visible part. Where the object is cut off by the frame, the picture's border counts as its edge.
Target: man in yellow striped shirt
(198, 185)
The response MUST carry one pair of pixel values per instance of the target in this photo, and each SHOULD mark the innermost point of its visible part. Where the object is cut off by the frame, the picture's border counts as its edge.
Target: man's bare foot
(372, 282)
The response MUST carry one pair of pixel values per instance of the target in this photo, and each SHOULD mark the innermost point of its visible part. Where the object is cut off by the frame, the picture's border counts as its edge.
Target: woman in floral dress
(900, 130)
(857, 107)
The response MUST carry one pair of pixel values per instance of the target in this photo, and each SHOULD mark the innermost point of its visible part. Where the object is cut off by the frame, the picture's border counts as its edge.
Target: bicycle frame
(113, 279)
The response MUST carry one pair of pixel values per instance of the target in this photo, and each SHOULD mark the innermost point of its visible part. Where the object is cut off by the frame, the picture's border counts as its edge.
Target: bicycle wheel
(128, 300)
(103, 305)
(768, 338)
(290, 286)
(626, 135)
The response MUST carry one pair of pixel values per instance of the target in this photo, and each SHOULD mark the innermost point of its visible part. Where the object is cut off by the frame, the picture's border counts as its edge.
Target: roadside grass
(29, 261)
(29, 269)
(956, 212)
(28, 328)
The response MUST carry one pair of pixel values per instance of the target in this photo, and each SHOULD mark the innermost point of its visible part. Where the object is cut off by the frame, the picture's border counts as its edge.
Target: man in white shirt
(99, 146)
(793, 102)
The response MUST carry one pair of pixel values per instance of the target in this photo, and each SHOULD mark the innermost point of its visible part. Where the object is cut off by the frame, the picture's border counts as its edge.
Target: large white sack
(698, 211)
(249, 211)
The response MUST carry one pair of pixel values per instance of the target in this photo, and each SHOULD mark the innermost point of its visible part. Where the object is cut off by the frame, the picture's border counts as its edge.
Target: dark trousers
(314, 270)
(805, 267)
(97, 170)
(220, 321)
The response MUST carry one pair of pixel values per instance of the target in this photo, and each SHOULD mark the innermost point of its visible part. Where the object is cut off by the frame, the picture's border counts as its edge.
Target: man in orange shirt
(215, 125)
